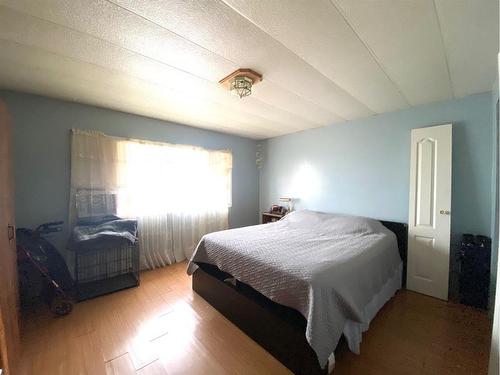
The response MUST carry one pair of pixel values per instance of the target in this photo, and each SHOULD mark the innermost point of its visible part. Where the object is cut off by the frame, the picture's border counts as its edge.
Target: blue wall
(362, 167)
(42, 154)
(358, 167)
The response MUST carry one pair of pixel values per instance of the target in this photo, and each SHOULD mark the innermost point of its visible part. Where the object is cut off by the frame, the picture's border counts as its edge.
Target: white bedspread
(328, 267)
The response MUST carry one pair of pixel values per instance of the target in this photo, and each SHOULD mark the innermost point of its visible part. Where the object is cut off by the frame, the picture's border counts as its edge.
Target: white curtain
(95, 167)
(178, 193)
(179, 233)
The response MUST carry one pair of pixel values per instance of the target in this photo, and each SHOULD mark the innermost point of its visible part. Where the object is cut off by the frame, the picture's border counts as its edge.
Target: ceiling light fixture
(240, 82)
(241, 86)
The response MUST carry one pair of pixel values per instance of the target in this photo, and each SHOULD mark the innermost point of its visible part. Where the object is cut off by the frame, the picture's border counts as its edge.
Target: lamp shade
(289, 202)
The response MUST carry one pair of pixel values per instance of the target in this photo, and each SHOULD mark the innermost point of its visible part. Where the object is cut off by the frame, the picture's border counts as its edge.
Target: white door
(430, 211)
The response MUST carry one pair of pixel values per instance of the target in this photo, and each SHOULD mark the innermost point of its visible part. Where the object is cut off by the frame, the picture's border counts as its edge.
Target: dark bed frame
(277, 328)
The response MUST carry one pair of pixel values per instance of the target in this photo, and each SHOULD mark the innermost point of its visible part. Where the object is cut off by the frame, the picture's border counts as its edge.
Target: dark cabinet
(9, 295)
(475, 256)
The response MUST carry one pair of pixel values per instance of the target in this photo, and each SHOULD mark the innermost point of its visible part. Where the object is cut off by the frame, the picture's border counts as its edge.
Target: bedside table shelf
(269, 217)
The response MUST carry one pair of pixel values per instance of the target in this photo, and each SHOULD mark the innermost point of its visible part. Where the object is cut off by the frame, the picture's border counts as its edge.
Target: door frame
(431, 233)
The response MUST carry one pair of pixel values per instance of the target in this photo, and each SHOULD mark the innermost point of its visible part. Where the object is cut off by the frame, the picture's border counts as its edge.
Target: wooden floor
(162, 327)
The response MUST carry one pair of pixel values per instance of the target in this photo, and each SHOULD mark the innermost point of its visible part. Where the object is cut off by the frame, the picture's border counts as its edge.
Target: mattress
(329, 267)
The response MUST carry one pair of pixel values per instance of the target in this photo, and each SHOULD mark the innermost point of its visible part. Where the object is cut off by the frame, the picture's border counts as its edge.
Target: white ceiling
(323, 61)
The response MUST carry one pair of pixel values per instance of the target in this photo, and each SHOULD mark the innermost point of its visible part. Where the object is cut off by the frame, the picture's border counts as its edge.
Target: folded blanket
(115, 229)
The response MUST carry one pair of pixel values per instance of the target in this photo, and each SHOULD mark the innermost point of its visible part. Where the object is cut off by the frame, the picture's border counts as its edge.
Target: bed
(298, 285)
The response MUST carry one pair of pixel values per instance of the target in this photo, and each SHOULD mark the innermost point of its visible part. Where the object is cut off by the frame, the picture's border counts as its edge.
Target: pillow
(304, 217)
(335, 223)
(346, 224)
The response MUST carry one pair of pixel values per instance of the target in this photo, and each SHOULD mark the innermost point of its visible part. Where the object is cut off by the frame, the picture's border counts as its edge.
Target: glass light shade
(241, 86)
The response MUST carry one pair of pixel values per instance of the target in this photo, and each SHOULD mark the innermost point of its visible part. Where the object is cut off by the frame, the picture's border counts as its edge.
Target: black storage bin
(475, 256)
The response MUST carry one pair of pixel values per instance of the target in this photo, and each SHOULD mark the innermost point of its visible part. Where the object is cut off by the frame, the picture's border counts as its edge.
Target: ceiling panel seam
(168, 30)
(112, 70)
(446, 57)
(370, 51)
(300, 58)
(212, 126)
(302, 98)
(229, 60)
(105, 41)
(162, 63)
(286, 111)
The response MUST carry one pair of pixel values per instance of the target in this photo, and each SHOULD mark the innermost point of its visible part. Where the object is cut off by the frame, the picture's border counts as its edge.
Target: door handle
(444, 212)
(10, 232)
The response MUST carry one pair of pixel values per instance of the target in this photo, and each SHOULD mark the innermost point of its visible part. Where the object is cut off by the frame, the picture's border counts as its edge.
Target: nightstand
(269, 217)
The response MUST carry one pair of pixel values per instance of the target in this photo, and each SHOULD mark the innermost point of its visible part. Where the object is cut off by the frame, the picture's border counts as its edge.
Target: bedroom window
(157, 178)
(178, 193)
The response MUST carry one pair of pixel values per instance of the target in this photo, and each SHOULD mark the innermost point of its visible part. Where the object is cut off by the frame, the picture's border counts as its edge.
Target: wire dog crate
(106, 269)
(106, 266)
